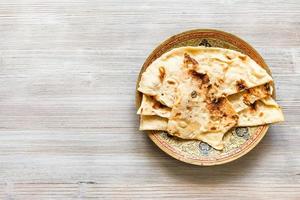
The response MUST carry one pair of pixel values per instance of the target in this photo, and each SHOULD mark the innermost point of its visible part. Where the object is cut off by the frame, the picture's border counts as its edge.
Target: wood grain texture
(68, 128)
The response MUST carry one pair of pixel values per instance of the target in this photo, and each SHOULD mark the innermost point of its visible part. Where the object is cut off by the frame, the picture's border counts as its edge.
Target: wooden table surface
(68, 128)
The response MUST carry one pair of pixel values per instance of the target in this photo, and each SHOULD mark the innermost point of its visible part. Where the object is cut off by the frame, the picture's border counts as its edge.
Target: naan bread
(214, 139)
(264, 111)
(239, 101)
(150, 106)
(153, 122)
(201, 93)
(270, 102)
(244, 99)
(195, 114)
(229, 72)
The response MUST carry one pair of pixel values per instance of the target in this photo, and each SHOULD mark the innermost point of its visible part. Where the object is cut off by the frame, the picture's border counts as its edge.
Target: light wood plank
(68, 128)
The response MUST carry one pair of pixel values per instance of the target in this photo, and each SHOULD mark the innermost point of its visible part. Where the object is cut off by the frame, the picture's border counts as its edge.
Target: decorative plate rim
(232, 39)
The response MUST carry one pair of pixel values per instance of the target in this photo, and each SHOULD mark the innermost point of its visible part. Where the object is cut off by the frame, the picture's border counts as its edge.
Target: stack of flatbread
(201, 93)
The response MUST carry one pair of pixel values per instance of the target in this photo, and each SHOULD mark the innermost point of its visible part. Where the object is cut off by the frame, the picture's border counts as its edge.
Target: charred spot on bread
(194, 94)
(171, 82)
(196, 75)
(219, 109)
(261, 114)
(241, 85)
(216, 85)
(162, 73)
(246, 98)
(225, 69)
(214, 105)
(235, 117)
(178, 114)
(253, 106)
(243, 57)
(200, 78)
(228, 57)
(205, 79)
(267, 87)
(189, 61)
(158, 105)
(213, 128)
